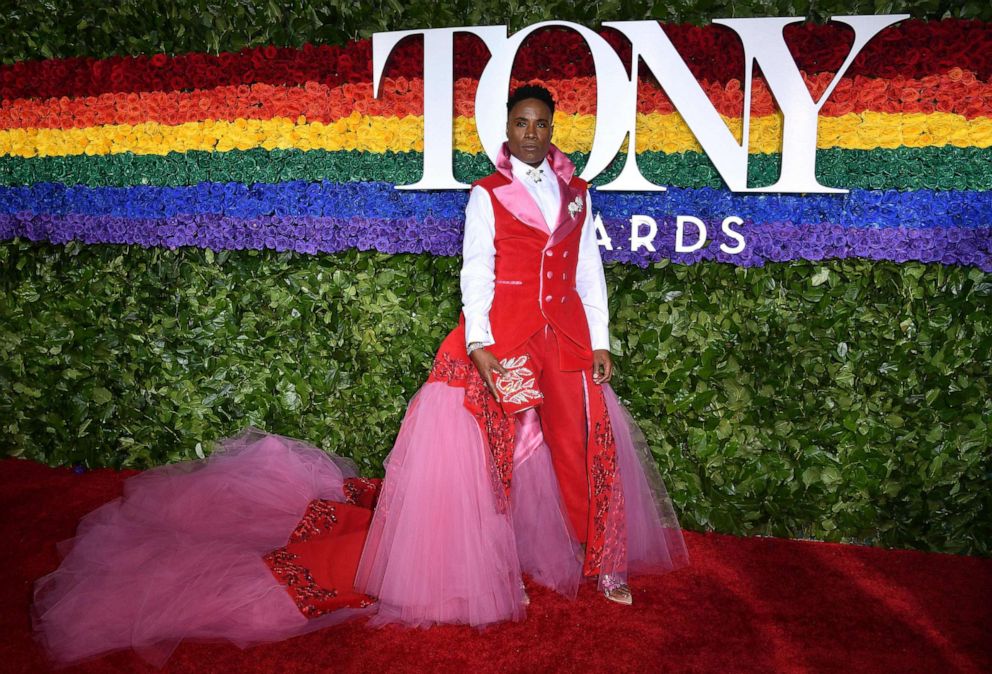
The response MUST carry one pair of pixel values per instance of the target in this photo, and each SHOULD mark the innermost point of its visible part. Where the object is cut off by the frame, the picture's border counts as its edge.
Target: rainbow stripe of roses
(286, 148)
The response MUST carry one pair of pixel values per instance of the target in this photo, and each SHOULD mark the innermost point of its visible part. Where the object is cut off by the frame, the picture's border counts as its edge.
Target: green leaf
(101, 396)
(830, 476)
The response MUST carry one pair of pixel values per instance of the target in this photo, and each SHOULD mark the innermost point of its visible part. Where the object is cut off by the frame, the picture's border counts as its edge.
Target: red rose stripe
(913, 49)
(956, 92)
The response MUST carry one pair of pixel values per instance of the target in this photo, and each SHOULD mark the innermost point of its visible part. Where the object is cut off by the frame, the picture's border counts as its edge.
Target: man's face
(528, 131)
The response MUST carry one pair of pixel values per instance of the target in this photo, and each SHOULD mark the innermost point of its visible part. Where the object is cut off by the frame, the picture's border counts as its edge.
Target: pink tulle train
(179, 556)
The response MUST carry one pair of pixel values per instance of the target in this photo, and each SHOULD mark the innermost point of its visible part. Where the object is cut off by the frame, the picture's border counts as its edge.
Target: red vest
(535, 272)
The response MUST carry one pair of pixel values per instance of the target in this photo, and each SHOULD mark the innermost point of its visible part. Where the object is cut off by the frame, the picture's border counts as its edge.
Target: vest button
(564, 277)
(562, 300)
(549, 274)
(548, 298)
(565, 254)
(551, 253)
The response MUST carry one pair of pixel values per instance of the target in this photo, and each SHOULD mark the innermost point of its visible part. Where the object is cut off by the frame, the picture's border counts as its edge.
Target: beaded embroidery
(497, 427)
(311, 598)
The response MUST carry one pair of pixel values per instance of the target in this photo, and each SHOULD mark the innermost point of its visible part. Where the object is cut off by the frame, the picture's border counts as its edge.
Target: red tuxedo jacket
(534, 287)
(535, 268)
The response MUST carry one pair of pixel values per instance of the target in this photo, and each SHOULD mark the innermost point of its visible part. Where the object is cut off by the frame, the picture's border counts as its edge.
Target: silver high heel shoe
(617, 591)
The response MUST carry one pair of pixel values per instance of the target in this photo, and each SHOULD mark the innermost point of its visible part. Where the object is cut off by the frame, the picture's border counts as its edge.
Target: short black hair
(526, 91)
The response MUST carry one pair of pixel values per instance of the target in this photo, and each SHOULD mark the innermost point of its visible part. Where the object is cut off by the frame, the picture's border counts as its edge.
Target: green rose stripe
(934, 168)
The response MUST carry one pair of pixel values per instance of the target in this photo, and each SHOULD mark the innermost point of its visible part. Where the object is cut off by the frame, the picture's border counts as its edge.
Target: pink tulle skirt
(180, 554)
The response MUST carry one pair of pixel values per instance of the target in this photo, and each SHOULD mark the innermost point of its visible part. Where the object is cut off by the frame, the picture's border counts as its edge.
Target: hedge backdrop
(835, 384)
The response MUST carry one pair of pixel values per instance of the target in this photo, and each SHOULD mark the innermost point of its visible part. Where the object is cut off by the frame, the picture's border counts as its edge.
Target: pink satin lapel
(503, 164)
(566, 221)
(561, 164)
(516, 199)
(564, 169)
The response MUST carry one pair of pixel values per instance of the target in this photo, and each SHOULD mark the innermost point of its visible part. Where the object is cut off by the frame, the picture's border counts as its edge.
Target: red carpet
(745, 605)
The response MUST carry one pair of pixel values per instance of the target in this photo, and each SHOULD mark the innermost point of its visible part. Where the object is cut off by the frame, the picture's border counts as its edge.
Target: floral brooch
(575, 206)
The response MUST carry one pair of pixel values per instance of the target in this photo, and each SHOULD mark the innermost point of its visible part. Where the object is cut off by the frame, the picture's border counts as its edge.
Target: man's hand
(486, 363)
(602, 366)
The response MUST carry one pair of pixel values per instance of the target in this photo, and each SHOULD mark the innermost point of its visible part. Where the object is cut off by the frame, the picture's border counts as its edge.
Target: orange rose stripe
(957, 91)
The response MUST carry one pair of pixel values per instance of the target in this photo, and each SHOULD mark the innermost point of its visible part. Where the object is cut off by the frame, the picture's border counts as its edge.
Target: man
(469, 502)
(532, 282)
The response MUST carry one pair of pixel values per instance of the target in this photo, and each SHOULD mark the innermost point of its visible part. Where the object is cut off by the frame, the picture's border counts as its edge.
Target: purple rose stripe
(764, 242)
(782, 241)
(283, 233)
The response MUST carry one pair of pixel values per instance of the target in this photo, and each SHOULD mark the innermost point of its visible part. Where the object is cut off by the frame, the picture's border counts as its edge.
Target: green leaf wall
(843, 400)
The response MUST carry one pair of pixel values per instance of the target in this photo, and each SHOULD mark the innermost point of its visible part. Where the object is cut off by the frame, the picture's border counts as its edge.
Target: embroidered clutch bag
(517, 389)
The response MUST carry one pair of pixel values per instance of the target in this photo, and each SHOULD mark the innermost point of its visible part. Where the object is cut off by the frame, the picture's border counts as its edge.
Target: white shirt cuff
(478, 330)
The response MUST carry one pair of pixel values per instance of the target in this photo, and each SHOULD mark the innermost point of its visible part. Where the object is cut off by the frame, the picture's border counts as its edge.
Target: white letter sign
(439, 94)
(616, 98)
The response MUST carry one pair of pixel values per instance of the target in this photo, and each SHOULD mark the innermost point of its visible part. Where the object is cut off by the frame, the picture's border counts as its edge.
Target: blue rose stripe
(766, 242)
(859, 208)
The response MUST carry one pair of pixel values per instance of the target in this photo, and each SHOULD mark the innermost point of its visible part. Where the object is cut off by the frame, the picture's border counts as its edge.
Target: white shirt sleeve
(478, 275)
(590, 283)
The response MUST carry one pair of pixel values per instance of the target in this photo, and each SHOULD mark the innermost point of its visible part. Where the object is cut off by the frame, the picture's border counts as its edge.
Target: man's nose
(531, 131)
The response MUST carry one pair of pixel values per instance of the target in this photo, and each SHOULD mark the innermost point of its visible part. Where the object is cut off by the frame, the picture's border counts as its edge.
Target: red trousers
(565, 424)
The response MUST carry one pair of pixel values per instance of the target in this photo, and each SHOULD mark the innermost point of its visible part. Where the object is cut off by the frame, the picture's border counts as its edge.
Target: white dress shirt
(478, 277)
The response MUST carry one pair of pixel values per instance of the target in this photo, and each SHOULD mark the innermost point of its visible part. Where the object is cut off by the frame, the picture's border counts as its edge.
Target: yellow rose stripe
(573, 133)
